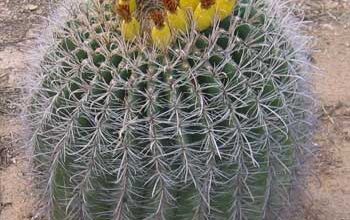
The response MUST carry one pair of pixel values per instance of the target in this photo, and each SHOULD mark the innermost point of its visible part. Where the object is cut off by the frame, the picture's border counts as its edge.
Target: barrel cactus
(166, 109)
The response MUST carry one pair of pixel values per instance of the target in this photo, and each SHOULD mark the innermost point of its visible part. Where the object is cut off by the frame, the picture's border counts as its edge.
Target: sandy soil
(328, 186)
(17, 20)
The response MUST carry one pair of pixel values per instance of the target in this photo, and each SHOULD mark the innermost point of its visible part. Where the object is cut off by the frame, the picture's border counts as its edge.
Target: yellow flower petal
(189, 4)
(130, 29)
(132, 4)
(161, 37)
(178, 20)
(224, 8)
(204, 17)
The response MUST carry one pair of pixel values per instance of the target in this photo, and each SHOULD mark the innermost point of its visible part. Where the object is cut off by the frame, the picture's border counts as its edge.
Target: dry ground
(329, 188)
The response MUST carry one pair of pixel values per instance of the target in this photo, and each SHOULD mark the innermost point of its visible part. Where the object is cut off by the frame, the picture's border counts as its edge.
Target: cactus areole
(167, 109)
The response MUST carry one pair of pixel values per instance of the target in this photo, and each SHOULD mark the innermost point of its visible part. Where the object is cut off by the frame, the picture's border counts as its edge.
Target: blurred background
(328, 185)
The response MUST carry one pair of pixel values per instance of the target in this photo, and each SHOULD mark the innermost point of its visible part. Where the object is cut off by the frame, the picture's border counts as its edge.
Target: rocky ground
(328, 187)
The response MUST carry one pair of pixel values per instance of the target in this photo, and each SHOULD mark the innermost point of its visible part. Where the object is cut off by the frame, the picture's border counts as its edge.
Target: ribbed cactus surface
(165, 110)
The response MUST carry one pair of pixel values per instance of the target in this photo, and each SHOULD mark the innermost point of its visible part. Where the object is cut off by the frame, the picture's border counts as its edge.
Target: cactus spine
(169, 110)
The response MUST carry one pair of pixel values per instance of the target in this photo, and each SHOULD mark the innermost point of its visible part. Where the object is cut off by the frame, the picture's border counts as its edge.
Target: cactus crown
(171, 16)
(144, 110)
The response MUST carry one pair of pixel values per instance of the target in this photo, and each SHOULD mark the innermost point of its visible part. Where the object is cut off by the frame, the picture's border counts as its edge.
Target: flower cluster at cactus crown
(171, 17)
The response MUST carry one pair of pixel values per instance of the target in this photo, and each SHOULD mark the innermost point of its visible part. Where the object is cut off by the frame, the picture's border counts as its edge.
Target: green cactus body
(206, 129)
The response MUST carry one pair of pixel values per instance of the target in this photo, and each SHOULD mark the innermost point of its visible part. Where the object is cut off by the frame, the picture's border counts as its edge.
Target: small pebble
(31, 7)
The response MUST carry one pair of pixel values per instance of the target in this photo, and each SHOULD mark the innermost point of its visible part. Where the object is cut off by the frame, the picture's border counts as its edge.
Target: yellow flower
(130, 29)
(178, 20)
(161, 36)
(131, 3)
(204, 17)
(224, 8)
(189, 4)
